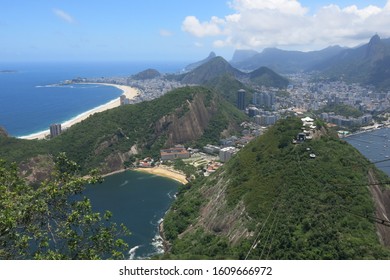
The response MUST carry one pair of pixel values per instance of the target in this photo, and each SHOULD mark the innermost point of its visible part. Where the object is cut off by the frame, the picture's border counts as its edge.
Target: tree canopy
(53, 220)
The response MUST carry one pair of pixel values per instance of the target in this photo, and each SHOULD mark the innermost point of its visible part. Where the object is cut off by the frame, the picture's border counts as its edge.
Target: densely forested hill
(273, 201)
(109, 139)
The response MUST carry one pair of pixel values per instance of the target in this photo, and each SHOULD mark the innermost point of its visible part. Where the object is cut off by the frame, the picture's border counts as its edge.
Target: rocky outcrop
(217, 217)
(37, 169)
(187, 123)
(3, 132)
(115, 161)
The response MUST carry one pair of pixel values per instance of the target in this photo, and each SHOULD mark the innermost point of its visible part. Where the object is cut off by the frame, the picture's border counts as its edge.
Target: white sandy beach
(159, 171)
(165, 172)
(130, 93)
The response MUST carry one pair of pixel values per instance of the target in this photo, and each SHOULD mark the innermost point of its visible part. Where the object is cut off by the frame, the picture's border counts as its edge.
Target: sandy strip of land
(161, 171)
(130, 93)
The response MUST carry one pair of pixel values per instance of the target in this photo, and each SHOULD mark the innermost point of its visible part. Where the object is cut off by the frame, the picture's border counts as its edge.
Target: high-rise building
(55, 130)
(226, 153)
(241, 99)
(264, 99)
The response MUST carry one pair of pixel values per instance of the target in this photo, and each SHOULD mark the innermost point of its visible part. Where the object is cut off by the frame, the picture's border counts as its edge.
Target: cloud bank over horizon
(257, 24)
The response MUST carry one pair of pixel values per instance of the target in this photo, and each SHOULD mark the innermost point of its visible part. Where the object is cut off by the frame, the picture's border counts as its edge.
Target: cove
(139, 201)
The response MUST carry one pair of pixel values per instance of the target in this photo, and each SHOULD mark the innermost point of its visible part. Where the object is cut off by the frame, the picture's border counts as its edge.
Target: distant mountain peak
(375, 49)
(212, 55)
(375, 39)
(194, 65)
(147, 74)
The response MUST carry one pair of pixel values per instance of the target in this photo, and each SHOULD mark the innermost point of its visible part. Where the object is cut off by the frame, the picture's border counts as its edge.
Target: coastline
(163, 172)
(158, 170)
(130, 93)
(367, 130)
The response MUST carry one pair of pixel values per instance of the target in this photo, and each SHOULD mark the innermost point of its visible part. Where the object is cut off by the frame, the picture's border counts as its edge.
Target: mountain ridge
(366, 64)
(218, 67)
(282, 61)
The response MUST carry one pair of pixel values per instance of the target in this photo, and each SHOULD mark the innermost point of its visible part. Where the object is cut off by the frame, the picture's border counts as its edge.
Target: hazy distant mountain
(282, 61)
(147, 74)
(242, 55)
(209, 70)
(266, 77)
(367, 64)
(192, 66)
(219, 67)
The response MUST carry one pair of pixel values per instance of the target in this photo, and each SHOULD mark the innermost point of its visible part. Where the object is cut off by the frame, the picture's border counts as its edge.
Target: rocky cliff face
(218, 218)
(187, 123)
(3, 132)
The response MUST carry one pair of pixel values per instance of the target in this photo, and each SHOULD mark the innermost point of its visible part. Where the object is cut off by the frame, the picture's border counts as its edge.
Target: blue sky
(180, 30)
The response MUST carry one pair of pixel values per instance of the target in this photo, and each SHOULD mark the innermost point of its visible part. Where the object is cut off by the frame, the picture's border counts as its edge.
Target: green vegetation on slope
(266, 77)
(228, 86)
(47, 222)
(102, 135)
(295, 207)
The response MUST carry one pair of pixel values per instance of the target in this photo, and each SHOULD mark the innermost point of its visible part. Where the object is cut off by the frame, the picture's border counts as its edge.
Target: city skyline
(181, 30)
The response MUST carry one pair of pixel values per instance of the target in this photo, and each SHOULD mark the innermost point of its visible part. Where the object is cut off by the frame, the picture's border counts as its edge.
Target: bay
(139, 201)
(374, 145)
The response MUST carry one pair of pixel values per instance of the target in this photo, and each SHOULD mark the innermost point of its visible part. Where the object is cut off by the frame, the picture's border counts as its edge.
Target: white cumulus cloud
(287, 24)
(200, 29)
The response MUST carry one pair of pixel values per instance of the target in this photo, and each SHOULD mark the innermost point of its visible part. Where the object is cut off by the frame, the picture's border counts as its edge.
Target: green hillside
(227, 86)
(273, 201)
(266, 77)
(217, 72)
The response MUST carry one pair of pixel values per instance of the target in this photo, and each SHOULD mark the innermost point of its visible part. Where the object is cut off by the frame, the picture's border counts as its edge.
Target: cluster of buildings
(264, 99)
(148, 89)
(152, 88)
(308, 130)
(304, 94)
(346, 121)
(313, 95)
(177, 152)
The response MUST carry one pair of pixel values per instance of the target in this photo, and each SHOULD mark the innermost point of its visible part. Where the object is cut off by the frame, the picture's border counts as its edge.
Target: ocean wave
(158, 244)
(49, 86)
(172, 194)
(132, 252)
(124, 183)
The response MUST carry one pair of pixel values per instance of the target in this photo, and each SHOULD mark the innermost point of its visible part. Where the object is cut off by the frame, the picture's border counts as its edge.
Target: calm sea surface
(375, 146)
(139, 201)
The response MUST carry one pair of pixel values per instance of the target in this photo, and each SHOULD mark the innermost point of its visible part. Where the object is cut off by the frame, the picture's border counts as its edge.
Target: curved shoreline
(163, 172)
(159, 171)
(130, 93)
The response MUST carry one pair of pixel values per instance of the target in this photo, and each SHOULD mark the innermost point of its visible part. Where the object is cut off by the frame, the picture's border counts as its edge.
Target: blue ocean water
(31, 99)
(139, 201)
(374, 145)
